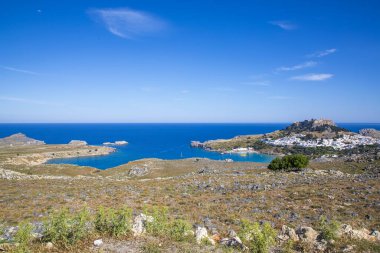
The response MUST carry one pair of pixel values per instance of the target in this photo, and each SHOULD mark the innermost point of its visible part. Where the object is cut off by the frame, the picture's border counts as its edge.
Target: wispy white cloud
(313, 77)
(307, 64)
(257, 83)
(184, 91)
(28, 72)
(323, 53)
(28, 101)
(285, 25)
(127, 23)
(280, 97)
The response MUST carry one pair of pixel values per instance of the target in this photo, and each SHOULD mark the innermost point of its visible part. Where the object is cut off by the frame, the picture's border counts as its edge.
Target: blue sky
(189, 61)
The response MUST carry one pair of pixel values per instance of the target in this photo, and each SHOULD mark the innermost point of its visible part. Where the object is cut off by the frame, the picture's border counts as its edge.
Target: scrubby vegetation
(113, 222)
(329, 229)
(23, 237)
(289, 163)
(65, 229)
(179, 230)
(258, 238)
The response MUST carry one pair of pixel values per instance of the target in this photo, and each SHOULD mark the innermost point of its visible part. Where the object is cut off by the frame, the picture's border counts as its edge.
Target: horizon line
(258, 122)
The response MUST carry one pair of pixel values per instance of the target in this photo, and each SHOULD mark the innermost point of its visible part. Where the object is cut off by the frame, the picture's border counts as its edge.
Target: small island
(116, 143)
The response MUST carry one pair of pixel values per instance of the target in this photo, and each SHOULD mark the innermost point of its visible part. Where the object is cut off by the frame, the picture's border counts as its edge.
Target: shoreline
(49, 152)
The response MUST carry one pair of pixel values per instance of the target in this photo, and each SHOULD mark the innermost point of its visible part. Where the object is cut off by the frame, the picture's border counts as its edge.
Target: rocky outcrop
(361, 234)
(197, 144)
(318, 125)
(139, 224)
(19, 140)
(77, 143)
(371, 132)
(201, 236)
(288, 233)
(233, 240)
(138, 171)
(307, 234)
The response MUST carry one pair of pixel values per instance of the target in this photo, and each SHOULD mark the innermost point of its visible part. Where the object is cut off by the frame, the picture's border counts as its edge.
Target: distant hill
(19, 140)
(314, 125)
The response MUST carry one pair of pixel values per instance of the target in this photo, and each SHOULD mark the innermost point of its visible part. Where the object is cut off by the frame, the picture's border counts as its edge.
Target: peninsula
(315, 138)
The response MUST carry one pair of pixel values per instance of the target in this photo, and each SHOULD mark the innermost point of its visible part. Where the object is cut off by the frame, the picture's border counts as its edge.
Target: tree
(289, 163)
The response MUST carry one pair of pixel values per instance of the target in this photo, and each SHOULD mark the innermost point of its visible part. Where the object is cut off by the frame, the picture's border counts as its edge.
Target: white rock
(200, 234)
(98, 242)
(288, 233)
(49, 246)
(362, 234)
(307, 234)
(344, 230)
(139, 224)
(376, 234)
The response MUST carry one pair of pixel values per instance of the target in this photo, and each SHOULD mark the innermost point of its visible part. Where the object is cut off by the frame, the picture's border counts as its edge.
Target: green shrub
(289, 162)
(160, 224)
(275, 164)
(288, 247)
(23, 237)
(65, 229)
(179, 230)
(2, 231)
(258, 238)
(151, 247)
(113, 222)
(329, 230)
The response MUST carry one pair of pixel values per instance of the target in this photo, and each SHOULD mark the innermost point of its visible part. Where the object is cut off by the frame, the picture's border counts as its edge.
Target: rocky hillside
(314, 138)
(314, 125)
(19, 140)
(370, 132)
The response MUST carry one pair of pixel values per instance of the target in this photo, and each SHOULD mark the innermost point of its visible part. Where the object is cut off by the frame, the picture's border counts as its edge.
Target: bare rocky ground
(213, 194)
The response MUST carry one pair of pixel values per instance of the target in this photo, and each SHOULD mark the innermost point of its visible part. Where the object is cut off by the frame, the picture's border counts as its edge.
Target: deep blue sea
(165, 141)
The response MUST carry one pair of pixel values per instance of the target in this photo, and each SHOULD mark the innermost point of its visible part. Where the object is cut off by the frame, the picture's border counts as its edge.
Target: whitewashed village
(347, 141)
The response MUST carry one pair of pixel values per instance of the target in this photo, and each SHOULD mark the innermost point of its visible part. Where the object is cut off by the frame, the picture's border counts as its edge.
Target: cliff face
(19, 140)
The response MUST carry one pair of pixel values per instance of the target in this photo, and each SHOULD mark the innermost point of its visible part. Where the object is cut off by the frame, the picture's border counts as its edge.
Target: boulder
(320, 246)
(233, 242)
(49, 246)
(201, 236)
(344, 229)
(98, 242)
(361, 234)
(232, 233)
(139, 224)
(288, 233)
(376, 234)
(307, 234)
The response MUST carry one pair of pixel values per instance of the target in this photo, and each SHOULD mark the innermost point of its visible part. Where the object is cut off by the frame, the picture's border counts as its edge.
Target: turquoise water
(165, 141)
